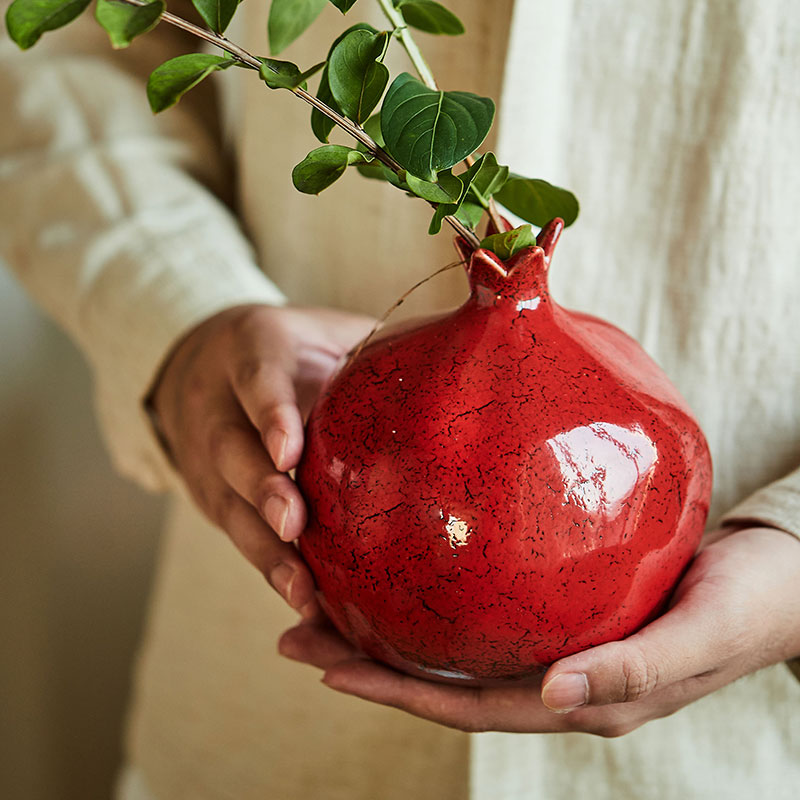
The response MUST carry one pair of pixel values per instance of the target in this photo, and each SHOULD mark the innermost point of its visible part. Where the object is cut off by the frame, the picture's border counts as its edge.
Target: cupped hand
(231, 402)
(736, 610)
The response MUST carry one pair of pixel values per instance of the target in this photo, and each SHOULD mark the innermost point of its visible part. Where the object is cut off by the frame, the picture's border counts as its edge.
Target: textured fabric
(675, 123)
(111, 217)
(741, 742)
(218, 714)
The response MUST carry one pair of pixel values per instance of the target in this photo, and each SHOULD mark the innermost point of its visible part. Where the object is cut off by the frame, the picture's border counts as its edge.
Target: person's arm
(110, 218)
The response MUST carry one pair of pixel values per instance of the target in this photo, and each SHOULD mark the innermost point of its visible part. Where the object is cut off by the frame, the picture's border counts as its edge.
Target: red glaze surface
(500, 487)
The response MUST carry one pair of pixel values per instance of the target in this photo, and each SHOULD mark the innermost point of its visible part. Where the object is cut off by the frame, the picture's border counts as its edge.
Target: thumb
(686, 642)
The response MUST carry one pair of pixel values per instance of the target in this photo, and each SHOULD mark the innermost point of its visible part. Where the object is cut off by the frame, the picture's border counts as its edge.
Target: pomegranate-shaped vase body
(502, 486)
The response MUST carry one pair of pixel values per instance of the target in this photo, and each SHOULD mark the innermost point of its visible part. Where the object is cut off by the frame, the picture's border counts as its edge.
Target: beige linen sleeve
(111, 217)
(776, 505)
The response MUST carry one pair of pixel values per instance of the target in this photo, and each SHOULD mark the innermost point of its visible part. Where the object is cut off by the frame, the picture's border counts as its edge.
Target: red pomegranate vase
(502, 486)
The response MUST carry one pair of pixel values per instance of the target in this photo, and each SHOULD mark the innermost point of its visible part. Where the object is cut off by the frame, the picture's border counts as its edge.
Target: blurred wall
(77, 546)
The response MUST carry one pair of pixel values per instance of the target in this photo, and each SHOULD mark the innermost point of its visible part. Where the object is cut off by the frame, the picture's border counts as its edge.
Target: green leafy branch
(413, 142)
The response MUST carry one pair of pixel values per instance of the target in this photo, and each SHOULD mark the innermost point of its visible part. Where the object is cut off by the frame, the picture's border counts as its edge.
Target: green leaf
(359, 26)
(427, 131)
(323, 166)
(377, 171)
(446, 190)
(372, 127)
(124, 22)
(312, 71)
(27, 20)
(320, 124)
(216, 13)
(480, 181)
(285, 75)
(169, 82)
(344, 5)
(538, 201)
(470, 214)
(505, 245)
(484, 178)
(288, 19)
(431, 17)
(356, 75)
(440, 212)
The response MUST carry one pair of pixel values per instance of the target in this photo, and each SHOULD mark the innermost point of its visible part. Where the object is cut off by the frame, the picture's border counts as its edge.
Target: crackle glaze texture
(502, 486)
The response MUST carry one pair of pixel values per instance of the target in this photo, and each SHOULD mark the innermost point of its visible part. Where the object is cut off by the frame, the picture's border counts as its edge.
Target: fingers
(265, 389)
(465, 708)
(516, 709)
(245, 466)
(265, 375)
(452, 706)
(348, 671)
(689, 641)
(226, 401)
(703, 642)
(279, 561)
(320, 645)
(468, 709)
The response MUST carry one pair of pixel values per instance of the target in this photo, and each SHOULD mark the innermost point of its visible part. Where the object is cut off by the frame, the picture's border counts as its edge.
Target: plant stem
(356, 131)
(409, 45)
(242, 55)
(494, 216)
(426, 76)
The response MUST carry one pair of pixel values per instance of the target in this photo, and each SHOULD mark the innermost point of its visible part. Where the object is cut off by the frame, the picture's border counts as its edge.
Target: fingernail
(333, 683)
(276, 510)
(276, 444)
(566, 692)
(309, 610)
(288, 648)
(282, 578)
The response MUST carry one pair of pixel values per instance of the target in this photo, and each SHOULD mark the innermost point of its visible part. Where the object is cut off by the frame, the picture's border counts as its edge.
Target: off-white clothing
(674, 122)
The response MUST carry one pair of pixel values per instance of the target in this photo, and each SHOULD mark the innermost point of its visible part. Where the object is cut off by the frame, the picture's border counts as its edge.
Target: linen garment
(676, 125)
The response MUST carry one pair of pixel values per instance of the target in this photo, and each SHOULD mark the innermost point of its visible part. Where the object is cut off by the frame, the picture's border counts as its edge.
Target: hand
(736, 610)
(231, 402)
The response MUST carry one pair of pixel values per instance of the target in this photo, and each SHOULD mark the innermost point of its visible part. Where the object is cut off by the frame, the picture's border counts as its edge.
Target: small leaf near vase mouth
(508, 244)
